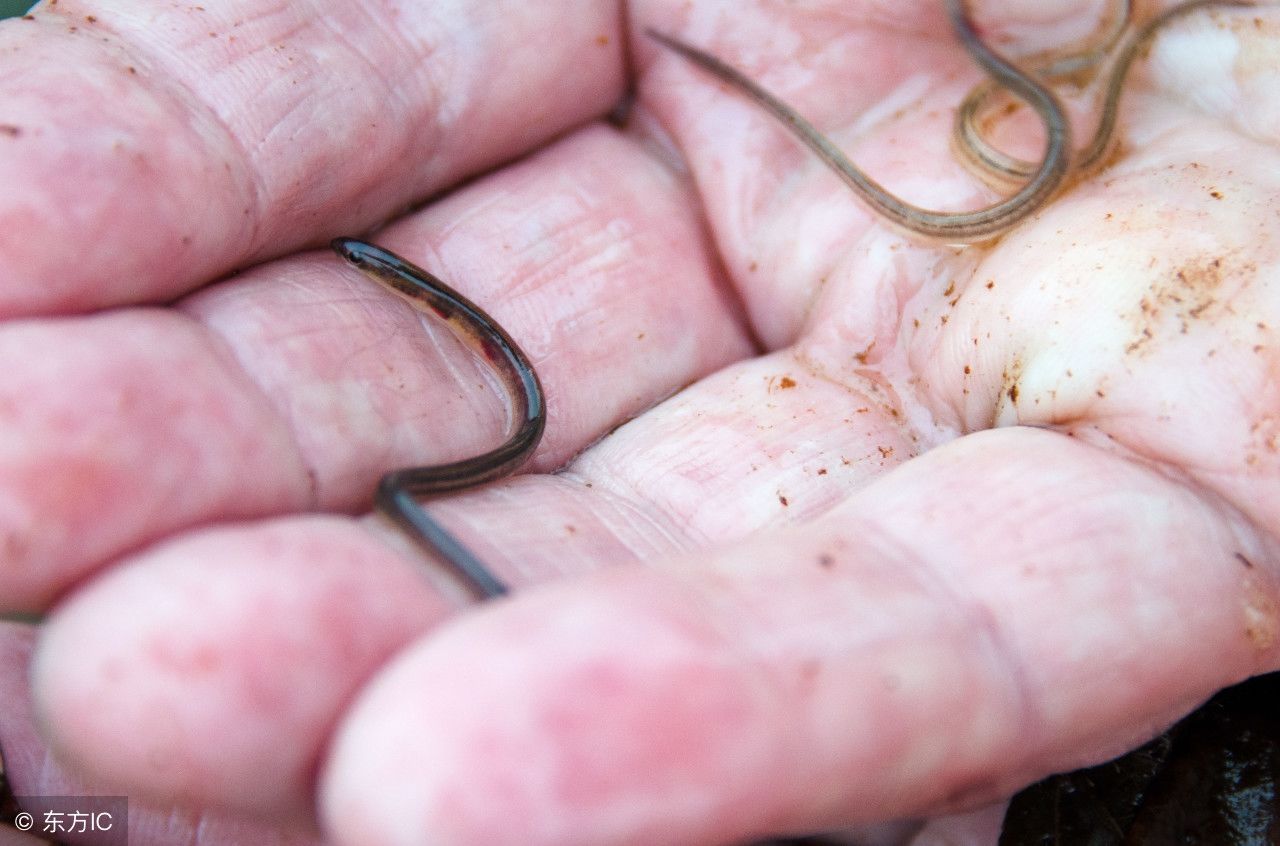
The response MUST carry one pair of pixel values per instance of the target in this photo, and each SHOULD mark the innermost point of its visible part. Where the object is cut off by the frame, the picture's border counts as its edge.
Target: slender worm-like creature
(991, 162)
(1039, 182)
(398, 492)
(1077, 64)
(950, 227)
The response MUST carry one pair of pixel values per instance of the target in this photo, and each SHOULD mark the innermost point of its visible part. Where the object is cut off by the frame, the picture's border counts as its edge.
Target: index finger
(146, 148)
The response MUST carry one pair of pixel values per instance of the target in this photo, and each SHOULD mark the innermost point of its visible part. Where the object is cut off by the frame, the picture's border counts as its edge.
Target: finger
(997, 609)
(227, 135)
(32, 771)
(109, 419)
(298, 384)
(229, 682)
(212, 613)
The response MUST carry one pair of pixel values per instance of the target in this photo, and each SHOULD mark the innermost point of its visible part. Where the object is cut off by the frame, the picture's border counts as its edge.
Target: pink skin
(32, 771)
(919, 525)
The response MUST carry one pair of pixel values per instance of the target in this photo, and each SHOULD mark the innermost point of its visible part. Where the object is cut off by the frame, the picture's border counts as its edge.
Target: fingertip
(209, 670)
(551, 719)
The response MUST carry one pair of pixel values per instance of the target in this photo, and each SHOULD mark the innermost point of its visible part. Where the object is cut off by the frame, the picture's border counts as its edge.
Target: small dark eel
(398, 491)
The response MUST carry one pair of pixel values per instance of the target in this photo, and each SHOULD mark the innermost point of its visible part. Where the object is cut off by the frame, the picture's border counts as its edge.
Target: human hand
(926, 523)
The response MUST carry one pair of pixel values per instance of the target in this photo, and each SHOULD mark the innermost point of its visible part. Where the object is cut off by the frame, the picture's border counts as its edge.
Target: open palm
(829, 526)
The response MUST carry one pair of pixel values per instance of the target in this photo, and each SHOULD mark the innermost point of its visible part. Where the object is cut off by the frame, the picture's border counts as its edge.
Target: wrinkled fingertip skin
(511, 726)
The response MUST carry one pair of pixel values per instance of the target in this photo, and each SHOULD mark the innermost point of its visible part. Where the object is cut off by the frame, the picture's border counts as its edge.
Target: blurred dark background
(9, 8)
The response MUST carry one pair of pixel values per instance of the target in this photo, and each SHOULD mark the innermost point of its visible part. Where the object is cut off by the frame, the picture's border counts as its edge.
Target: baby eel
(997, 167)
(398, 491)
(949, 227)
(1039, 182)
(1075, 64)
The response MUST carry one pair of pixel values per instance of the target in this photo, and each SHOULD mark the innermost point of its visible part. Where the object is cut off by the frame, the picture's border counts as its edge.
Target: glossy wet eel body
(398, 492)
